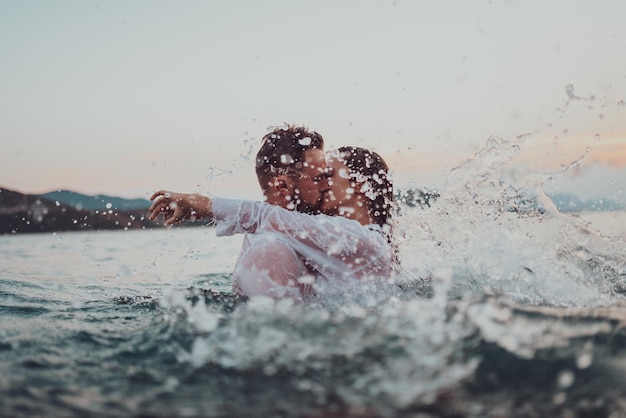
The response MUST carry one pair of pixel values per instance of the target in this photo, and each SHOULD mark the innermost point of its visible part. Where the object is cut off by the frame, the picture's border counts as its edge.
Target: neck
(276, 199)
(359, 212)
(286, 203)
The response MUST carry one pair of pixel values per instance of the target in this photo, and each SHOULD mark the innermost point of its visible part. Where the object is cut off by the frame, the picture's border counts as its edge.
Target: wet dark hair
(368, 167)
(283, 150)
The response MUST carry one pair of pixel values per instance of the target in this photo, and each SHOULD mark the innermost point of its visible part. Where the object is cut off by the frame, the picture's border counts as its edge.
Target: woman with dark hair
(360, 187)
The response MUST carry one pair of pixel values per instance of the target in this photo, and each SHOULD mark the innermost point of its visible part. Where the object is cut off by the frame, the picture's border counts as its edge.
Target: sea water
(502, 307)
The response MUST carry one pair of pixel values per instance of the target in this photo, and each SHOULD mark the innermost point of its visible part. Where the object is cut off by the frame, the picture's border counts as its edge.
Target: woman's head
(359, 179)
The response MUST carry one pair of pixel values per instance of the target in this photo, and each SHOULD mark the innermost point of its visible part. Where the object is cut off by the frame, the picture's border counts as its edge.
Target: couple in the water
(326, 216)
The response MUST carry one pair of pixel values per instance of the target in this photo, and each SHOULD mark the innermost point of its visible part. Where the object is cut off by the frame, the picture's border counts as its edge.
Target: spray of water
(494, 227)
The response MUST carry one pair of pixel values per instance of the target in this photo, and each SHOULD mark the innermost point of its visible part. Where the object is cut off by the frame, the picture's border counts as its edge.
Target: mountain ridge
(66, 210)
(95, 202)
(36, 213)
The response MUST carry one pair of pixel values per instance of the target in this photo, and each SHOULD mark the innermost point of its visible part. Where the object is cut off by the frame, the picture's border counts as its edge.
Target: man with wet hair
(292, 172)
(291, 168)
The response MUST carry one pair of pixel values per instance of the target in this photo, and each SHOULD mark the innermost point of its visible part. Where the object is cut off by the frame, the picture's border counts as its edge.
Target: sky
(128, 97)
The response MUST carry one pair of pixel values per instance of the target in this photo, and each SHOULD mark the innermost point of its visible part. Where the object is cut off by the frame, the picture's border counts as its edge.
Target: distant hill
(564, 202)
(70, 211)
(97, 202)
(64, 210)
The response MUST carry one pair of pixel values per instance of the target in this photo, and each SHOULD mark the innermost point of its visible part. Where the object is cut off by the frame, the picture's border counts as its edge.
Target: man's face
(310, 183)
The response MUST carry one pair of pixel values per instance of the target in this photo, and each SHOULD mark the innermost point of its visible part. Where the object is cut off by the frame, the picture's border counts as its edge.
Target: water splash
(494, 227)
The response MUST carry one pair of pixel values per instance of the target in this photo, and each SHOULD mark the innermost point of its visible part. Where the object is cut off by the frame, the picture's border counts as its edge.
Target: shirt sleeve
(334, 246)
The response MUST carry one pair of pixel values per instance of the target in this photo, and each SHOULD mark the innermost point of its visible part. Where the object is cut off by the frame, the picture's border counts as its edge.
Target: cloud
(611, 154)
(551, 153)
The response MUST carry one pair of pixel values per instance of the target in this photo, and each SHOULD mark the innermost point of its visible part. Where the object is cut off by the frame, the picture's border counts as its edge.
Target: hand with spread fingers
(177, 207)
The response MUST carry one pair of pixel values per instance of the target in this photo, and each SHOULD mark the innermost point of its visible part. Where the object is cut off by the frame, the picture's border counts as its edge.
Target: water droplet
(584, 360)
(621, 103)
(305, 141)
(286, 159)
(109, 205)
(565, 379)
(306, 279)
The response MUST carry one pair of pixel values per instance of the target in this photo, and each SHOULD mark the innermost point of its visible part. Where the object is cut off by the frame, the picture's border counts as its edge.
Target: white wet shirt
(333, 246)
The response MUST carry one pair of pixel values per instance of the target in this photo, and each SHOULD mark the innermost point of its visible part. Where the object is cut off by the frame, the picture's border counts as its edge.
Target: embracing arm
(243, 216)
(334, 246)
(333, 235)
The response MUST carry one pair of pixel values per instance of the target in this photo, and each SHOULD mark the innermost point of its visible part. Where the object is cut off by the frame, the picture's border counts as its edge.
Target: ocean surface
(502, 307)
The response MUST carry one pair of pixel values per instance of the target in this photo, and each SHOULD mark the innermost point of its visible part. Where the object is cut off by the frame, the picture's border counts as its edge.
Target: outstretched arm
(176, 207)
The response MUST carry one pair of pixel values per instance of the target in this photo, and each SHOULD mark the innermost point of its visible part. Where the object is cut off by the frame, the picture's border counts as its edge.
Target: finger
(163, 201)
(159, 193)
(171, 216)
(161, 207)
(173, 219)
(154, 205)
(167, 215)
(155, 209)
(179, 214)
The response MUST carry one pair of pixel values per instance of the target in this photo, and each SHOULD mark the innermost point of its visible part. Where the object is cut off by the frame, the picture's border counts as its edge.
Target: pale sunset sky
(127, 97)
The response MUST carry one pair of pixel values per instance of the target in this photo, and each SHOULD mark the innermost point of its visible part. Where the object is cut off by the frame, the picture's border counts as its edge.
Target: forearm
(200, 206)
(233, 216)
(317, 232)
